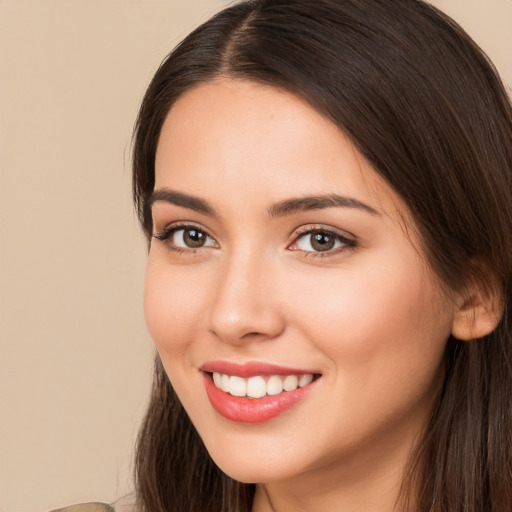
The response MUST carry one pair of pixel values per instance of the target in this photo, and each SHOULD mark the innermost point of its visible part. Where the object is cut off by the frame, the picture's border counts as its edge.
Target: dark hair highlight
(426, 108)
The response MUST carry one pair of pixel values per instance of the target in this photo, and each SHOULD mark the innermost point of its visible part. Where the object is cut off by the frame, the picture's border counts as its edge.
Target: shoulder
(124, 504)
(87, 507)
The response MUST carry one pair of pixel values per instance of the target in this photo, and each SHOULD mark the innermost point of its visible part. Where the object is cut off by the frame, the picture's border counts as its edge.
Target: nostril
(238, 320)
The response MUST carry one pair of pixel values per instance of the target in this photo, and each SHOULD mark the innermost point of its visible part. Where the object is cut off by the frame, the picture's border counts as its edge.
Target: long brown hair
(426, 108)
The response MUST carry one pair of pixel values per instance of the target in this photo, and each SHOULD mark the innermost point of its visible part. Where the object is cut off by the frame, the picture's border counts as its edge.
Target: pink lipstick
(255, 392)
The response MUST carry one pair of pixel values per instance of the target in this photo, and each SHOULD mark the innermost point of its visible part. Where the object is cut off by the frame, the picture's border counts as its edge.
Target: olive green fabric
(126, 503)
(87, 507)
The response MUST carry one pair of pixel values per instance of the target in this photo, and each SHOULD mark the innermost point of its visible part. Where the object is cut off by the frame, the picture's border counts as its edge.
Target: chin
(252, 472)
(257, 460)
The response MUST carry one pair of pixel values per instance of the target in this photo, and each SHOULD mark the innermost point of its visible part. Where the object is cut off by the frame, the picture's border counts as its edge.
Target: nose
(245, 307)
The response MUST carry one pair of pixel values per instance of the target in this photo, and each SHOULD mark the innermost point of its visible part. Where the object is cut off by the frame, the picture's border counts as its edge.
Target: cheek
(376, 324)
(384, 336)
(172, 306)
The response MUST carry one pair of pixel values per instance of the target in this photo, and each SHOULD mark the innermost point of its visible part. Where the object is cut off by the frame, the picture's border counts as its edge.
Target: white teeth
(290, 383)
(224, 383)
(237, 386)
(258, 387)
(305, 379)
(274, 385)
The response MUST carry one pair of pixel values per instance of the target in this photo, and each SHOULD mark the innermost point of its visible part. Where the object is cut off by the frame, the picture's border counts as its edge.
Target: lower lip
(252, 410)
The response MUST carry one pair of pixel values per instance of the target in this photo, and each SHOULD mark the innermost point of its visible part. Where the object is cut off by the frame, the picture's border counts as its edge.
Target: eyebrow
(180, 199)
(280, 209)
(296, 205)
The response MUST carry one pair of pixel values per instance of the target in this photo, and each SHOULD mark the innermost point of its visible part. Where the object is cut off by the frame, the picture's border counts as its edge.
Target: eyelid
(174, 226)
(349, 241)
(164, 234)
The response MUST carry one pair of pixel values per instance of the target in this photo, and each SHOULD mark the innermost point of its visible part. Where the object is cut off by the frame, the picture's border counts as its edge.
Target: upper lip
(252, 369)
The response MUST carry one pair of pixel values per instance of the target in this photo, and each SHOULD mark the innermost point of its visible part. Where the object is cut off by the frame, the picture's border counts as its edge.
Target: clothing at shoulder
(124, 504)
(87, 507)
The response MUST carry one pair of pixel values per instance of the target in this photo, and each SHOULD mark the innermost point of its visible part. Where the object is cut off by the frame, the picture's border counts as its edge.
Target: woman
(326, 192)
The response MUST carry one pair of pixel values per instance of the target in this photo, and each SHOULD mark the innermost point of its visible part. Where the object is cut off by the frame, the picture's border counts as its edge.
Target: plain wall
(75, 358)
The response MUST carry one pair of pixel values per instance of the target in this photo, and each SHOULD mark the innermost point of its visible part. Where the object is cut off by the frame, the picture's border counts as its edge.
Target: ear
(478, 312)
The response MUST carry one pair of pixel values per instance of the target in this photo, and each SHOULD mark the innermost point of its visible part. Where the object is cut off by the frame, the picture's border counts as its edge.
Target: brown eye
(186, 237)
(321, 241)
(192, 238)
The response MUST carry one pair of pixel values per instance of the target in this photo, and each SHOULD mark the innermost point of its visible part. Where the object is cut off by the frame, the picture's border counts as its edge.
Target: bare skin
(361, 309)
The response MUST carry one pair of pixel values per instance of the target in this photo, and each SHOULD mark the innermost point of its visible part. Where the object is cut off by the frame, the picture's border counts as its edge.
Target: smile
(259, 386)
(255, 392)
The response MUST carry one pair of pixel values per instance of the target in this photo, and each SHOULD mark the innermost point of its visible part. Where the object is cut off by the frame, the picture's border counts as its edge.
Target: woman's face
(280, 257)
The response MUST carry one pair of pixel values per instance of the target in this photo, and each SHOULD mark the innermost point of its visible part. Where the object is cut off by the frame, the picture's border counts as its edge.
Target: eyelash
(347, 243)
(165, 235)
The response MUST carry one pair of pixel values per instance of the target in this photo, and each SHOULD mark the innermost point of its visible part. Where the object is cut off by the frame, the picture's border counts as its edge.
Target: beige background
(75, 358)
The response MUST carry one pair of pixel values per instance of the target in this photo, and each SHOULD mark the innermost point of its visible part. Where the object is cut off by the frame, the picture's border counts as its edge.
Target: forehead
(230, 135)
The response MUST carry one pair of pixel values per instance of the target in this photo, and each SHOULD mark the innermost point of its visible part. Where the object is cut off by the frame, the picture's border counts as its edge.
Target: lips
(255, 392)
